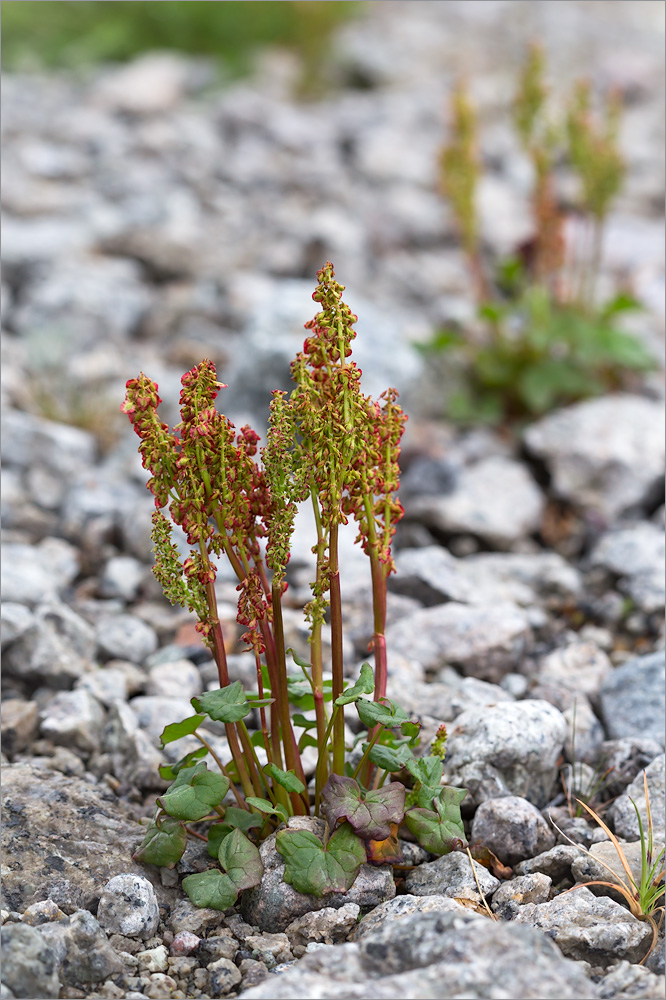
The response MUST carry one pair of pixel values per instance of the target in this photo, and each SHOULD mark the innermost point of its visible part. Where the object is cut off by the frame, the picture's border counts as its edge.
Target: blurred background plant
(543, 339)
(63, 33)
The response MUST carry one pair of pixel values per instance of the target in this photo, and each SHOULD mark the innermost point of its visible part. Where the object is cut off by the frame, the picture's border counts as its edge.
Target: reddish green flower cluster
(327, 441)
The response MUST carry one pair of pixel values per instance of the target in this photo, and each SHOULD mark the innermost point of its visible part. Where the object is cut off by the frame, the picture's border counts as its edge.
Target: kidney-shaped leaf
(163, 844)
(177, 730)
(194, 793)
(364, 685)
(370, 813)
(439, 830)
(227, 704)
(241, 859)
(212, 889)
(312, 868)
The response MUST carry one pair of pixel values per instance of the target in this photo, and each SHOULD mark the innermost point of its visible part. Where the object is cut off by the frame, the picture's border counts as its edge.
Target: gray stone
(625, 981)
(606, 454)
(434, 956)
(199, 920)
(155, 712)
(33, 441)
(63, 836)
(507, 749)
(274, 904)
(43, 912)
(107, 684)
(518, 891)
(19, 723)
(524, 578)
(271, 949)
(452, 876)
(622, 812)
(595, 865)
(25, 578)
(556, 862)
(496, 499)
(632, 698)
(74, 719)
(328, 926)
(85, 955)
(56, 650)
(579, 666)
(589, 928)
(624, 758)
(585, 734)
(122, 577)
(134, 757)
(483, 641)
(224, 975)
(29, 966)
(180, 679)
(15, 620)
(125, 637)
(153, 959)
(636, 555)
(402, 906)
(128, 905)
(512, 828)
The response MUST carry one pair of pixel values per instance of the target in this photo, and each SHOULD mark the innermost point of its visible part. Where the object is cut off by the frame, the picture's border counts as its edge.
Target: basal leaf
(163, 844)
(427, 770)
(364, 685)
(373, 713)
(302, 722)
(298, 660)
(194, 793)
(227, 704)
(390, 758)
(370, 813)
(241, 860)
(264, 806)
(170, 771)
(440, 829)
(234, 818)
(287, 779)
(312, 868)
(177, 730)
(211, 889)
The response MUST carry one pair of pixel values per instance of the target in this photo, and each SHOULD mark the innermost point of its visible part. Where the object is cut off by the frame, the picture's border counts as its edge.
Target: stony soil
(152, 217)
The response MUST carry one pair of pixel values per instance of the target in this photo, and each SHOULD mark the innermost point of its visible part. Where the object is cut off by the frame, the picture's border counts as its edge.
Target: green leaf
(389, 758)
(298, 660)
(258, 739)
(364, 685)
(163, 844)
(194, 793)
(241, 860)
(287, 779)
(370, 813)
(211, 889)
(312, 868)
(264, 806)
(374, 713)
(307, 741)
(303, 723)
(227, 704)
(427, 770)
(439, 830)
(234, 818)
(177, 730)
(169, 771)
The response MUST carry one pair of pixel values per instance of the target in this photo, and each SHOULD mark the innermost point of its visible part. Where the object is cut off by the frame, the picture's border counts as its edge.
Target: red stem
(337, 664)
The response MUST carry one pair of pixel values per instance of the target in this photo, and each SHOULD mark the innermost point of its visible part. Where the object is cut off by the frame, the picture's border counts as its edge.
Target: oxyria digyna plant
(333, 447)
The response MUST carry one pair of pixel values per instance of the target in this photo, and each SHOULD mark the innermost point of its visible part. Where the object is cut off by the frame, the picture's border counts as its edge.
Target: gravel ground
(153, 217)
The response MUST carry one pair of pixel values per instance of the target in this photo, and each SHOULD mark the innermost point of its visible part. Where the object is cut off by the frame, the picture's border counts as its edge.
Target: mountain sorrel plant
(542, 339)
(338, 449)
